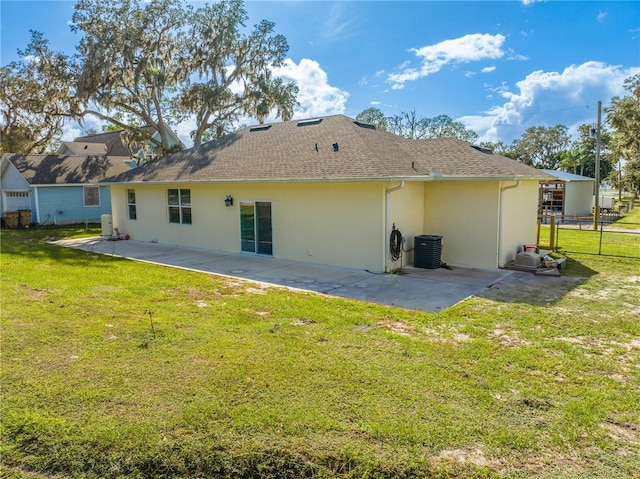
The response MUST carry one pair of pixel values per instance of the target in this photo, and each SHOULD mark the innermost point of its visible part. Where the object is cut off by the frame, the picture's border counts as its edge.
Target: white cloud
(488, 69)
(550, 98)
(469, 48)
(316, 96)
(339, 24)
(601, 16)
(73, 129)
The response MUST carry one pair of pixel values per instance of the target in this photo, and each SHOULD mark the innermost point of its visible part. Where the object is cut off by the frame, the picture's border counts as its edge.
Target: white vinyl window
(131, 204)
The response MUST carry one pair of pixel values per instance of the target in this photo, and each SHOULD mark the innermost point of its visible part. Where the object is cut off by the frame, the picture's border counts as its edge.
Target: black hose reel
(395, 243)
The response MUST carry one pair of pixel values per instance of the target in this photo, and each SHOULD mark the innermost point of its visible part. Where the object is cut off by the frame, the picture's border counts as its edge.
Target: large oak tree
(34, 99)
(624, 118)
(541, 146)
(165, 60)
(151, 63)
(412, 126)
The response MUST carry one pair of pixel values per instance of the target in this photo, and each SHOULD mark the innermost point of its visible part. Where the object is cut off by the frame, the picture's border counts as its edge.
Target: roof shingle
(63, 169)
(304, 151)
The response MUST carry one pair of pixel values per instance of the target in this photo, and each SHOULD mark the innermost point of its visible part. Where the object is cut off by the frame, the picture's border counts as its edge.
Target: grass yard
(117, 369)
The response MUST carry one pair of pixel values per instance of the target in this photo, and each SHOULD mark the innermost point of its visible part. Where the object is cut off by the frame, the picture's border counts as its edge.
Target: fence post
(600, 245)
(538, 231)
(552, 233)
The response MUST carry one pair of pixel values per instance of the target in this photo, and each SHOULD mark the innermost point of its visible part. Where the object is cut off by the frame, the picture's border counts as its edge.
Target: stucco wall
(312, 222)
(520, 217)
(406, 211)
(464, 213)
(578, 198)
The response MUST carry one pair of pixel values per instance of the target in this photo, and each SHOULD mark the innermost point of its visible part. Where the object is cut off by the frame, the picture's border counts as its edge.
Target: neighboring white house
(15, 195)
(329, 191)
(115, 144)
(569, 194)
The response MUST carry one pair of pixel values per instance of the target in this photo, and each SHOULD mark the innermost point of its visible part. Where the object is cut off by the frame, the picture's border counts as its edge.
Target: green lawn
(117, 369)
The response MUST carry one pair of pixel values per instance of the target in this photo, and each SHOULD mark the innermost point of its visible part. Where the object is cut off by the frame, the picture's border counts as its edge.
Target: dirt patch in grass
(521, 287)
(302, 322)
(507, 338)
(398, 327)
(36, 293)
(466, 456)
(629, 433)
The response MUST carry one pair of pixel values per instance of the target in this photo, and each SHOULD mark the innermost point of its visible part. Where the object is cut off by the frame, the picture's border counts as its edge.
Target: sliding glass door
(255, 227)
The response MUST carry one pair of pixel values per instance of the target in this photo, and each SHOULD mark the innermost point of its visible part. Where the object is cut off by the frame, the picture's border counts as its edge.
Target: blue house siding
(65, 204)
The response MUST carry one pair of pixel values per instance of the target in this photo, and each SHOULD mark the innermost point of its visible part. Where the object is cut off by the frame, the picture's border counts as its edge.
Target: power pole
(596, 203)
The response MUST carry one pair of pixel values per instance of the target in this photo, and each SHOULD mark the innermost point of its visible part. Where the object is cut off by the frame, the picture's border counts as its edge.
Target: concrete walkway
(429, 290)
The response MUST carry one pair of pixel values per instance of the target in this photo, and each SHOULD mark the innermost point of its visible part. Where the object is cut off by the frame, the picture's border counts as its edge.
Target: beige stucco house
(329, 191)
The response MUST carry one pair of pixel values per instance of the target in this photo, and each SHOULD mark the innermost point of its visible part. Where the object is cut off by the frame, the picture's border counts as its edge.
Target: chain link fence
(607, 237)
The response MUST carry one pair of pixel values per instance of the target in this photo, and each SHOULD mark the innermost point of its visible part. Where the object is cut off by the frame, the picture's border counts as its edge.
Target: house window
(91, 196)
(131, 204)
(180, 206)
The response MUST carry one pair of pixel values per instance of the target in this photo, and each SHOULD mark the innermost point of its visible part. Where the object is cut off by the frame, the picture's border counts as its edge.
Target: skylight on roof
(260, 128)
(314, 121)
(483, 149)
(365, 125)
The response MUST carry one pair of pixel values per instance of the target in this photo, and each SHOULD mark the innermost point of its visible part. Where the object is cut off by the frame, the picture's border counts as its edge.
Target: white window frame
(130, 204)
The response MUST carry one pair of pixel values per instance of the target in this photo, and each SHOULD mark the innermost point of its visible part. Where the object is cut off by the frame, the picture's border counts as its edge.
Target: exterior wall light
(228, 201)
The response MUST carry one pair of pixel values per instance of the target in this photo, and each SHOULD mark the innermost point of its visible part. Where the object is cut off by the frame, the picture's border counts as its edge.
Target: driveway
(429, 290)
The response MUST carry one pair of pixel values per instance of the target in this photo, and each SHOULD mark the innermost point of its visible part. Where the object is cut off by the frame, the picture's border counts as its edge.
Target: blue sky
(499, 67)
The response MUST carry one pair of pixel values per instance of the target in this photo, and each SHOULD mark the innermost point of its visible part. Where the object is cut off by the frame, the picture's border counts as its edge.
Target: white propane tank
(106, 222)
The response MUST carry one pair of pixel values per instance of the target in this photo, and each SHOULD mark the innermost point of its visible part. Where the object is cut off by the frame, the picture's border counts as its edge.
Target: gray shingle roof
(63, 169)
(111, 139)
(84, 148)
(303, 150)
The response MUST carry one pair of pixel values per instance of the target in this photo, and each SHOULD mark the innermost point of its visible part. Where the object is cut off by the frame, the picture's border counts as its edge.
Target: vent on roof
(482, 149)
(260, 128)
(365, 125)
(314, 121)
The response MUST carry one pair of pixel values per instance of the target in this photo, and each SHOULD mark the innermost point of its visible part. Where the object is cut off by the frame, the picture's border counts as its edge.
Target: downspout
(387, 203)
(500, 226)
(37, 204)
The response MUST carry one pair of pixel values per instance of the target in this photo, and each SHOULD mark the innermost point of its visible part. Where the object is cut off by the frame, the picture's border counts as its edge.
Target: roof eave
(415, 178)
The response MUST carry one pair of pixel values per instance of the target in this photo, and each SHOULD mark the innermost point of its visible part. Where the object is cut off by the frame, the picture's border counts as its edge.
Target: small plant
(150, 314)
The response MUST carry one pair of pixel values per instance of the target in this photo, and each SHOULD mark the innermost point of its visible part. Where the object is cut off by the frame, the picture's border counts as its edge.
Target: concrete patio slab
(429, 290)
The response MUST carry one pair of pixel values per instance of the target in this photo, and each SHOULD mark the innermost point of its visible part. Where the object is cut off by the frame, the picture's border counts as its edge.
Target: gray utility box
(427, 251)
(528, 259)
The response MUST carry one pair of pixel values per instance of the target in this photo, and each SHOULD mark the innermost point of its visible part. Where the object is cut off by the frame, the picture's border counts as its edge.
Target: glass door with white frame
(256, 235)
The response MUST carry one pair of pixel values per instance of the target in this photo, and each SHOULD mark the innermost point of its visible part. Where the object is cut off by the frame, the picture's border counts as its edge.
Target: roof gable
(10, 177)
(82, 148)
(113, 144)
(62, 169)
(333, 148)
